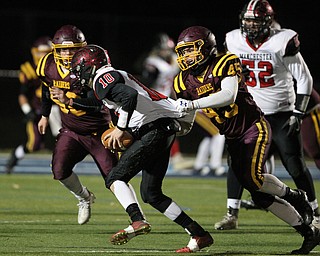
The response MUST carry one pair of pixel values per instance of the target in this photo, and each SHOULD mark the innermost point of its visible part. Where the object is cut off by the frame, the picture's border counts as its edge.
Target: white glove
(183, 105)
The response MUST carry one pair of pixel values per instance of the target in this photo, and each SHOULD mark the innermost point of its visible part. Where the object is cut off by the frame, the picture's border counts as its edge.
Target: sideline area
(39, 163)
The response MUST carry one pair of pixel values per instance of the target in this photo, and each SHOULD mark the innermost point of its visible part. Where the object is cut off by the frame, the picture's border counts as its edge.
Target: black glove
(245, 71)
(293, 123)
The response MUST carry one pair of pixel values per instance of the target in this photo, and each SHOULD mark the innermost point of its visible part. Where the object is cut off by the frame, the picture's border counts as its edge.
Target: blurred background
(126, 30)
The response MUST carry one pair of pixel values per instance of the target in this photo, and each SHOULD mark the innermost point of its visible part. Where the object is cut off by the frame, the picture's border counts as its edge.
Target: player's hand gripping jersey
(113, 88)
(80, 121)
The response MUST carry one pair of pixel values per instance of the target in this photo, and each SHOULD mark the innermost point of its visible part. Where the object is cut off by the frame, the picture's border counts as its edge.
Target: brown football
(127, 140)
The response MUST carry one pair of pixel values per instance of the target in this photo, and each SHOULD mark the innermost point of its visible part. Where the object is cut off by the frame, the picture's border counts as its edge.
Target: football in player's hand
(126, 140)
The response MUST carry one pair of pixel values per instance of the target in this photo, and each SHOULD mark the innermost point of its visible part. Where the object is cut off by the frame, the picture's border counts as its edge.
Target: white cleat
(84, 205)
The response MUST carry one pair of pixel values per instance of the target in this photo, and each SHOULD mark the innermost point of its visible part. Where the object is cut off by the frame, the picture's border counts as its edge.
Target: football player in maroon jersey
(30, 102)
(215, 84)
(81, 129)
(310, 128)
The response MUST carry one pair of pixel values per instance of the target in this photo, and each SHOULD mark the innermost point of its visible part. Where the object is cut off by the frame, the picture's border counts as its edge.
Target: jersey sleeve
(228, 65)
(103, 83)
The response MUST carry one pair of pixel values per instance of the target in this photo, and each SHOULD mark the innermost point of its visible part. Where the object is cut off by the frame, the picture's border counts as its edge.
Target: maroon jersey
(79, 121)
(232, 120)
(30, 85)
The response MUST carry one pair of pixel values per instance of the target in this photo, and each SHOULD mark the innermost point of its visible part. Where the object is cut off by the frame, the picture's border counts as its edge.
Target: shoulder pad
(40, 71)
(223, 63)
(104, 80)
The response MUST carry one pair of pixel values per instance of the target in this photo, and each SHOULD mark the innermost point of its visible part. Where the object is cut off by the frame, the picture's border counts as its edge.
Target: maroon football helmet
(195, 45)
(66, 41)
(41, 47)
(255, 19)
(86, 61)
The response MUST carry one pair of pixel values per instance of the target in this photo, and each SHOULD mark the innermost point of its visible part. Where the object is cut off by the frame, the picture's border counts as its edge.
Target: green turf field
(38, 216)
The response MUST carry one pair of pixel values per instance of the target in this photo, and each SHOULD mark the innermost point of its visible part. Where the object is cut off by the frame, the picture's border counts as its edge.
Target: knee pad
(295, 166)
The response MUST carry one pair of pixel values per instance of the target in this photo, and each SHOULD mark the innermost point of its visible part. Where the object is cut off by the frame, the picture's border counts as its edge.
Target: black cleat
(299, 200)
(311, 240)
(12, 162)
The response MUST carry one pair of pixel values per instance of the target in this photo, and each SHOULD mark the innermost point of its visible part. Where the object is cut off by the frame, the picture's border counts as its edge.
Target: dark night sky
(126, 30)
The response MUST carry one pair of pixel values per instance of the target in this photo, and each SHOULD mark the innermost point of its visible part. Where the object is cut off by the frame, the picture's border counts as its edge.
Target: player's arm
(117, 91)
(300, 71)
(127, 98)
(88, 104)
(222, 98)
(46, 102)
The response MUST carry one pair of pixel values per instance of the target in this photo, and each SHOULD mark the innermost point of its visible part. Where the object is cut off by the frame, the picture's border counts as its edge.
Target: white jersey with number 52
(271, 71)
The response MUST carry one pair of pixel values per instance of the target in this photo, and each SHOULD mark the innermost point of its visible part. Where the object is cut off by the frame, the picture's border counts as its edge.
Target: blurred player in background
(208, 161)
(158, 70)
(81, 129)
(310, 128)
(271, 61)
(30, 102)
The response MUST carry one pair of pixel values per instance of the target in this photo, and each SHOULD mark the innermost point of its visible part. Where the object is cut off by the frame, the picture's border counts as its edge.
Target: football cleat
(311, 240)
(299, 200)
(316, 218)
(84, 205)
(196, 243)
(136, 228)
(11, 163)
(228, 222)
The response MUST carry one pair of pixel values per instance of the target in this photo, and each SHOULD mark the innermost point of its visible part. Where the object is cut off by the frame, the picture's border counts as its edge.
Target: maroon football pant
(72, 148)
(310, 132)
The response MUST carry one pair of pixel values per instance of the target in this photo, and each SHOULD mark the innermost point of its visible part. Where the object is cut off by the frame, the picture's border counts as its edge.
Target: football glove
(183, 105)
(245, 71)
(293, 124)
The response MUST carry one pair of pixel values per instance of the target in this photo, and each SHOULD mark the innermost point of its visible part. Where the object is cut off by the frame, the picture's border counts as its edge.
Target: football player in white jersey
(158, 70)
(271, 59)
(151, 119)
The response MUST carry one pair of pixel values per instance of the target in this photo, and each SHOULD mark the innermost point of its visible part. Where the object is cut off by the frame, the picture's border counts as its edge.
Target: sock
(135, 197)
(233, 203)
(273, 186)
(285, 212)
(173, 211)
(123, 193)
(75, 187)
(134, 212)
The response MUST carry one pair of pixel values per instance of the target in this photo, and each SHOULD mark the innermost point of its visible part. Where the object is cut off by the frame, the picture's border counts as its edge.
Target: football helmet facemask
(86, 61)
(255, 19)
(66, 41)
(195, 45)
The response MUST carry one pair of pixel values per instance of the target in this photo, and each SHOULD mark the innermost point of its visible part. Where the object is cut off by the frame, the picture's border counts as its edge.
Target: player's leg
(216, 153)
(67, 153)
(151, 192)
(291, 154)
(234, 193)
(33, 143)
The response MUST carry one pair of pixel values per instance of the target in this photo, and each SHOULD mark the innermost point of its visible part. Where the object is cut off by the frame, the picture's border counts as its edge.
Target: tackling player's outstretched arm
(224, 97)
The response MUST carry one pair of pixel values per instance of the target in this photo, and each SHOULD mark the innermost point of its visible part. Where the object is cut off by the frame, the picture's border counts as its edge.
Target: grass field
(38, 216)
